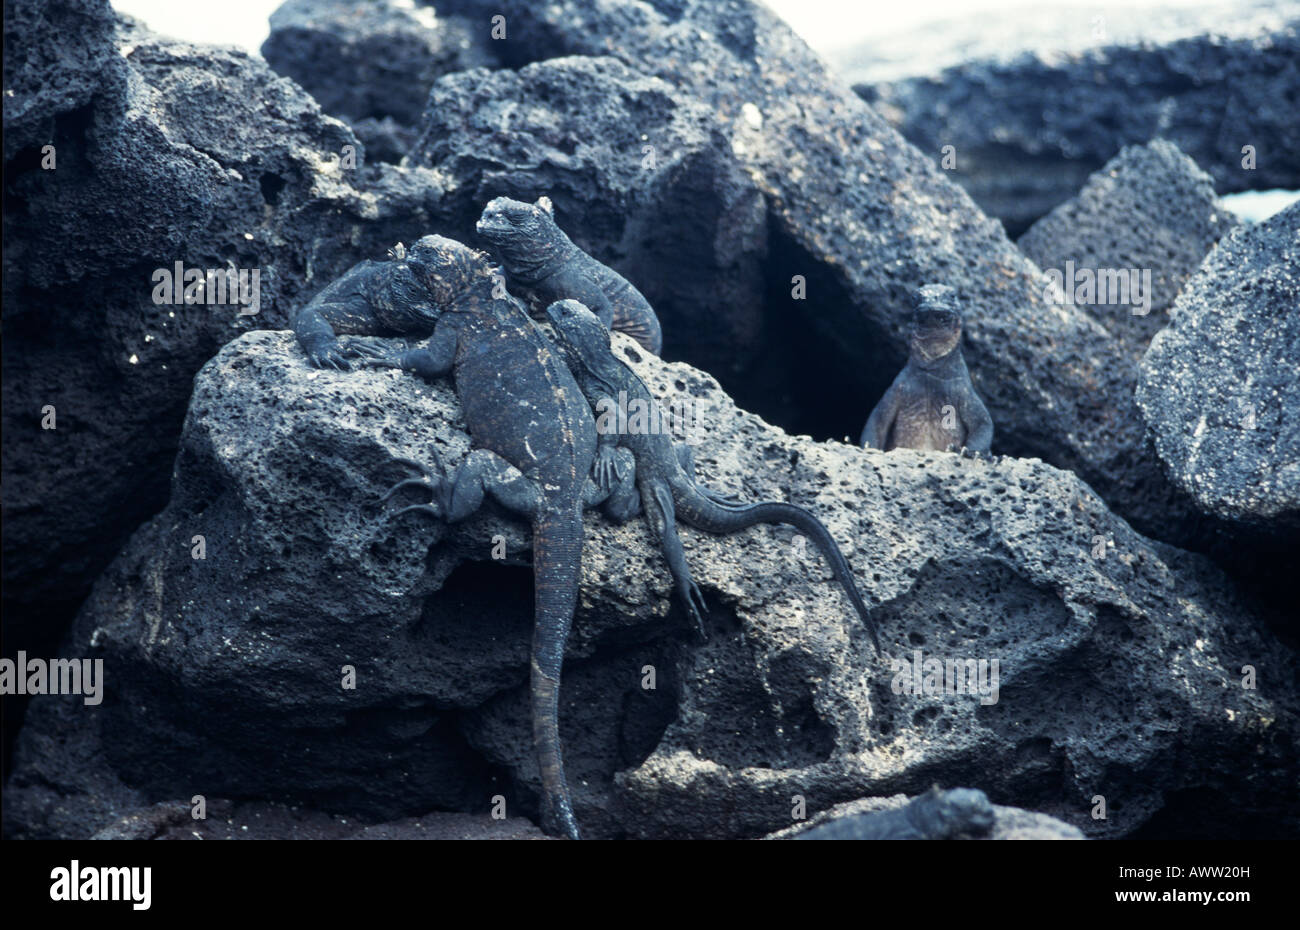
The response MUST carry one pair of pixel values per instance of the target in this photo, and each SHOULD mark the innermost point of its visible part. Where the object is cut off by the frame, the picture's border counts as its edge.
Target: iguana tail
(557, 567)
(695, 509)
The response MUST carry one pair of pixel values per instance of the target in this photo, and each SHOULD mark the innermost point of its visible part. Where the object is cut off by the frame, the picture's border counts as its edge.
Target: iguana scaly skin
(534, 439)
(935, 815)
(665, 476)
(370, 298)
(543, 263)
(932, 404)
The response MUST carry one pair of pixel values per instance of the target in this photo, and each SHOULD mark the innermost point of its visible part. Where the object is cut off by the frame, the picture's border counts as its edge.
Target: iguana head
(948, 813)
(524, 233)
(936, 322)
(446, 268)
(583, 339)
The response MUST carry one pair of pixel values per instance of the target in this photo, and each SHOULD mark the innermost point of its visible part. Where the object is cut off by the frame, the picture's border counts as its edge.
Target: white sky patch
(1256, 206)
(823, 24)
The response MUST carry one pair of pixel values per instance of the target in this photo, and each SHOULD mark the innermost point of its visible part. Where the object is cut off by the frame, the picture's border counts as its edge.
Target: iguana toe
(694, 599)
(364, 350)
(328, 356)
(406, 483)
(431, 479)
(386, 359)
(430, 509)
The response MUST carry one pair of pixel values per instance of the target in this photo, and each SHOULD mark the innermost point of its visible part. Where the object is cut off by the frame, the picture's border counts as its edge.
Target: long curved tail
(557, 568)
(716, 517)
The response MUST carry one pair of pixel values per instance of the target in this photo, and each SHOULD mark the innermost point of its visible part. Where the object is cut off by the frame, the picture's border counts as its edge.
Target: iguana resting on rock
(935, 815)
(665, 476)
(931, 404)
(534, 438)
(370, 298)
(541, 262)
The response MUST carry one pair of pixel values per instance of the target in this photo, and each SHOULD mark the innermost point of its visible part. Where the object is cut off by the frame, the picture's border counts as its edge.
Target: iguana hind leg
(482, 473)
(662, 519)
(620, 500)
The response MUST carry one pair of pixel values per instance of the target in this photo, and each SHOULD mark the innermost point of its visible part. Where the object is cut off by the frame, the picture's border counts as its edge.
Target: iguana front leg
(612, 483)
(875, 433)
(579, 287)
(979, 425)
(316, 326)
(430, 358)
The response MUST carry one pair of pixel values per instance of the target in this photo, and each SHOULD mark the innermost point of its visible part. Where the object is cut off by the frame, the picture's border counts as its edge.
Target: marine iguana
(543, 263)
(665, 476)
(931, 404)
(935, 815)
(370, 298)
(533, 433)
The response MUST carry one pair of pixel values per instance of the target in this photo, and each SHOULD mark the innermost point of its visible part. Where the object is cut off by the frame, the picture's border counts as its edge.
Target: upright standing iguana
(665, 476)
(534, 438)
(543, 263)
(932, 404)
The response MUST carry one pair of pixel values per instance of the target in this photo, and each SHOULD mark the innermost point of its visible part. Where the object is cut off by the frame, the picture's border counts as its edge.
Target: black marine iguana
(935, 815)
(932, 404)
(665, 476)
(369, 299)
(543, 263)
(522, 408)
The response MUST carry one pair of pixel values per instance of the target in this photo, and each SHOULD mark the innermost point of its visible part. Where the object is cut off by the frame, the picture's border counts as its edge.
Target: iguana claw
(407, 483)
(328, 355)
(968, 453)
(430, 509)
(694, 599)
(363, 350)
(384, 359)
(434, 481)
(606, 468)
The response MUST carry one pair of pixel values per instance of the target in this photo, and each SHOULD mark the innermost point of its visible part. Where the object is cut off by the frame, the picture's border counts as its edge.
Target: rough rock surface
(182, 153)
(1009, 823)
(227, 676)
(58, 55)
(935, 46)
(642, 176)
(864, 218)
(370, 62)
(1028, 128)
(1150, 209)
(258, 820)
(1220, 388)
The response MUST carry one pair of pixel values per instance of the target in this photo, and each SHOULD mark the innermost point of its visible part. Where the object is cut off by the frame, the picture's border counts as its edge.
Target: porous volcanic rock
(1220, 386)
(370, 62)
(179, 154)
(1030, 119)
(1119, 659)
(1149, 212)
